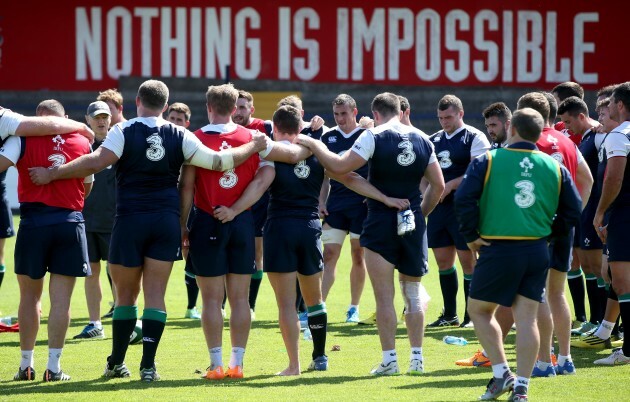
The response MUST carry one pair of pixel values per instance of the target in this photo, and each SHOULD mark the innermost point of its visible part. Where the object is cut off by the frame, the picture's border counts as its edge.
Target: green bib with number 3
(520, 195)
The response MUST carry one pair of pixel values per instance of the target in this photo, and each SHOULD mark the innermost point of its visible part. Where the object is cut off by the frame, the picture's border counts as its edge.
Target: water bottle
(8, 320)
(453, 340)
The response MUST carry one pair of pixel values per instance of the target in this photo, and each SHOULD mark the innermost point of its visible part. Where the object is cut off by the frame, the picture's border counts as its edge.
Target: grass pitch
(183, 356)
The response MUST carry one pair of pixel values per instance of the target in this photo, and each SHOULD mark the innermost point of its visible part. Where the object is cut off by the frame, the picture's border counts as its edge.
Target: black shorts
(293, 244)
(561, 253)
(6, 219)
(218, 249)
(98, 245)
(153, 235)
(617, 240)
(443, 229)
(259, 210)
(407, 253)
(510, 267)
(348, 220)
(58, 249)
(587, 236)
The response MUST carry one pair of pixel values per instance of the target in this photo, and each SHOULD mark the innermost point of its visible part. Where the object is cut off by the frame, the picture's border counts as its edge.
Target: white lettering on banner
(146, 14)
(371, 37)
(551, 42)
(218, 41)
(458, 46)
(491, 69)
(529, 54)
(284, 43)
(397, 43)
(580, 47)
(195, 42)
(89, 44)
(119, 17)
(342, 43)
(175, 42)
(428, 64)
(247, 46)
(460, 73)
(306, 70)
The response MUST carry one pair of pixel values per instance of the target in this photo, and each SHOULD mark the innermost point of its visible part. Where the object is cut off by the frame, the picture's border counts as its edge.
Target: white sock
(542, 365)
(605, 329)
(236, 359)
(522, 382)
(499, 369)
(54, 360)
(97, 324)
(563, 359)
(483, 352)
(389, 356)
(27, 359)
(356, 306)
(216, 357)
(416, 353)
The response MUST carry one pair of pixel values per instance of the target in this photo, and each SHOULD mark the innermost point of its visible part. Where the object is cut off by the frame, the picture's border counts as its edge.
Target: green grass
(182, 356)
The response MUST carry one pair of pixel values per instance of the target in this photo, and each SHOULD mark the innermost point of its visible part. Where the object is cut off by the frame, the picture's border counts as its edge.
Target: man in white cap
(99, 212)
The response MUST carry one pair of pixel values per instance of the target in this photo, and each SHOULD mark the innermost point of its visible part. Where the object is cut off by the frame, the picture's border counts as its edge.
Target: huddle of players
(452, 154)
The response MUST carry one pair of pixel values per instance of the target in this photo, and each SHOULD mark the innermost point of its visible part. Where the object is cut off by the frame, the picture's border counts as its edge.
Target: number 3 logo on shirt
(525, 198)
(156, 150)
(407, 156)
(57, 160)
(229, 179)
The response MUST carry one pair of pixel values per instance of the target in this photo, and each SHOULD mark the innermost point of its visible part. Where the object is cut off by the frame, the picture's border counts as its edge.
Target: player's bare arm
(84, 166)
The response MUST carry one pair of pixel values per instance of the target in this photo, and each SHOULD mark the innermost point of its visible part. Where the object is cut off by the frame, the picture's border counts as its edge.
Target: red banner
(88, 44)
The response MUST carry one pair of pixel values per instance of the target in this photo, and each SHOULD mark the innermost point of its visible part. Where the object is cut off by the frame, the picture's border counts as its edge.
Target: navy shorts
(259, 210)
(443, 229)
(153, 235)
(218, 249)
(98, 245)
(348, 220)
(617, 240)
(407, 253)
(293, 244)
(6, 219)
(58, 249)
(588, 239)
(561, 252)
(510, 267)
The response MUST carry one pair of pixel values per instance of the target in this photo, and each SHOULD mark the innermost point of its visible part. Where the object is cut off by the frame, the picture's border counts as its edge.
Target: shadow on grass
(447, 383)
(107, 385)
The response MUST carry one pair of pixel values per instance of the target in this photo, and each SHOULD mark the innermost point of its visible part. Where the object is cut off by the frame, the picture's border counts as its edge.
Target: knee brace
(412, 296)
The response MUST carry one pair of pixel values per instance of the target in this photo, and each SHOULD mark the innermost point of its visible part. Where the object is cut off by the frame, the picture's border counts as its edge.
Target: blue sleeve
(467, 198)
(569, 206)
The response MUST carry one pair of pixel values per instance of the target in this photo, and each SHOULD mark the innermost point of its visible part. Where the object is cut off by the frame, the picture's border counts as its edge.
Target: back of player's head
(621, 93)
(111, 95)
(573, 106)
(287, 119)
(222, 98)
(536, 101)
(528, 123)
(179, 107)
(404, 103)
(386, 104)
(291, 100)
(499, 110)
(568, 89)
(553, 105)
(606, 91)
(153, 95)
(344, 99)
(450, 100)
(50, 107)
(246, 95)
